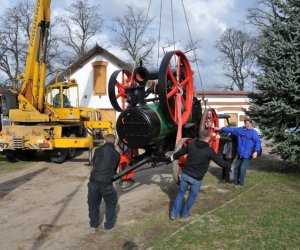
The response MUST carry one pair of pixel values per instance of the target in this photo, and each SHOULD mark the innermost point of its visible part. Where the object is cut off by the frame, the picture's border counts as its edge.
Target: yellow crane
(33, 118)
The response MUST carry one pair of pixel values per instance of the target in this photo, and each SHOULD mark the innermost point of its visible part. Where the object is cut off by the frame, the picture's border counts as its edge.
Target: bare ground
(44, 207)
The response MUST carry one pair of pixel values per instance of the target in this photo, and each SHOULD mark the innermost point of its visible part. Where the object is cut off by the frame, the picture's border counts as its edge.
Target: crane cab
(58, 94)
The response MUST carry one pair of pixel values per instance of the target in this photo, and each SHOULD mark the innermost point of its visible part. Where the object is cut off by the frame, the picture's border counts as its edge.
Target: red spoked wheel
(118, 82)
(176, 77)
(178, 164)
(126, 160)
(210, 122)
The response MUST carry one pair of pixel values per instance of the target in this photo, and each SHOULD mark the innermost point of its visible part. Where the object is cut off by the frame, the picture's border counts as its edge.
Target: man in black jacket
(229, 152)
(199, 155)
(105, 163)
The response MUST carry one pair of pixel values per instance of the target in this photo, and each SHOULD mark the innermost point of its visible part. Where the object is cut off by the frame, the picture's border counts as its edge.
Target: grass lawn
(265, 214)
(6, 167)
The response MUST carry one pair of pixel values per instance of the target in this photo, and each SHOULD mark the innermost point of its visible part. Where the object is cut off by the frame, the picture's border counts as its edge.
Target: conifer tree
(276, 105)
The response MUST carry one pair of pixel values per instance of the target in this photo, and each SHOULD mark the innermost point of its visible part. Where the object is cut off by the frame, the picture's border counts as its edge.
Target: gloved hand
(169, 153)
(228, 167)
(168, 159)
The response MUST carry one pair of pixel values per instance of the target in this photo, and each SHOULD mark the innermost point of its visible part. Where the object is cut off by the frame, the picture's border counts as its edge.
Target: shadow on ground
(8, 186)
(46, 229)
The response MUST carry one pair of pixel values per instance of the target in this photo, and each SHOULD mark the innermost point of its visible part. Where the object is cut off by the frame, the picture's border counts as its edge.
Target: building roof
(223, 92)
(99, 50)
(96, 50)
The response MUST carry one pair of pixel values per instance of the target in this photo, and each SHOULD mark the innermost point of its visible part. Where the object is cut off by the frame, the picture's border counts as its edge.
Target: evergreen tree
(276, 105)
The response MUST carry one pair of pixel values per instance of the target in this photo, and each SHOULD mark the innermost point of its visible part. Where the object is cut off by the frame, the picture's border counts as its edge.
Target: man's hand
(254, 155)
(169, 153)
(228, 168)
(167, 159)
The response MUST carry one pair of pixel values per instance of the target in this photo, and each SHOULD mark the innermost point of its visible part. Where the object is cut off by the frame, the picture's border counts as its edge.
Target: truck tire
(71, 151)
(26, 155)
(8, 100)
(11, 156)
(59, 155)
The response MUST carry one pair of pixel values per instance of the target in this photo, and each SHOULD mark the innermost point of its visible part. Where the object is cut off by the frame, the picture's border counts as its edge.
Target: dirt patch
(44, 207)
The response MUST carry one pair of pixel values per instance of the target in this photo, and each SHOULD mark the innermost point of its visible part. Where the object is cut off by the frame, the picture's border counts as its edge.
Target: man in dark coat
(105, 163)
(199, 155)
(229, 152)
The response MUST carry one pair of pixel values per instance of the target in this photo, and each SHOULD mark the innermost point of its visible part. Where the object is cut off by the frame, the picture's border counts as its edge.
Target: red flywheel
(176, 77)
(178, 164)
(118, 82)
(210, 122)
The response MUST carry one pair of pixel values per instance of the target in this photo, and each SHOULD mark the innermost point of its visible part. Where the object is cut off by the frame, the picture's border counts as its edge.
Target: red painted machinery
(158, 113)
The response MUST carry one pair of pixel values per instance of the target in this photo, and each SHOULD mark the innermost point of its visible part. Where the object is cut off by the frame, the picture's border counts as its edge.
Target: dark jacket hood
(201, 144)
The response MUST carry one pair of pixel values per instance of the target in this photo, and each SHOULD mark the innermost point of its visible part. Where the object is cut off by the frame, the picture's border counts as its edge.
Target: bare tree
(81, 22)
(14, 36)
(15, 26)
(192, 49)
(238, 54)
(262, 13)
(131, 34)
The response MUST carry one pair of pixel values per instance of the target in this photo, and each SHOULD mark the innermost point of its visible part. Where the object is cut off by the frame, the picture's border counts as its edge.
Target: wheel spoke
(121, 94)
(178, 69)
(119, 85)
(123, 78)
(184, 103)
(170, 73)
(123, 103)
(184, 82)
(172, 92)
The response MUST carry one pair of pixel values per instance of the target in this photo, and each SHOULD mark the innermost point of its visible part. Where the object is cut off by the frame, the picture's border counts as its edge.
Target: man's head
(232, 124)
(248, 123)
(205, 135)
(110, 138)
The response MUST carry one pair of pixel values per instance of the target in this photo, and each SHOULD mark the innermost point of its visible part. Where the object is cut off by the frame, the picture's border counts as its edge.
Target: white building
(232, 103)
(92, 72)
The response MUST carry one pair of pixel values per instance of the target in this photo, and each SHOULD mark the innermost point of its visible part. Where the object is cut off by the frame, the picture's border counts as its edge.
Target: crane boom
(33, 84)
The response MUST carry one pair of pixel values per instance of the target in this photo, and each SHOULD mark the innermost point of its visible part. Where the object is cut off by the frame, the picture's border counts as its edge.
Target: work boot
(108, 230)
(93, 230)
(172, 217)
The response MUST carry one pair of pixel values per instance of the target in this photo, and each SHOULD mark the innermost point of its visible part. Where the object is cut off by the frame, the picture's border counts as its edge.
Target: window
(99, 87)
(233, 117)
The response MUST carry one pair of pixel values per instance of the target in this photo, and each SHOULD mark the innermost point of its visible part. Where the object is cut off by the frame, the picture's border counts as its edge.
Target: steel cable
(198, 71)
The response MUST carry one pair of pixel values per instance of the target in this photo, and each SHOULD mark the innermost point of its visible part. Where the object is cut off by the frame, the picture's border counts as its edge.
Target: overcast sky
(207, 20)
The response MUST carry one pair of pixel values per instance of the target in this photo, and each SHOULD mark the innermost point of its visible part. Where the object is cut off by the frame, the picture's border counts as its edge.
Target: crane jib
(34, 24)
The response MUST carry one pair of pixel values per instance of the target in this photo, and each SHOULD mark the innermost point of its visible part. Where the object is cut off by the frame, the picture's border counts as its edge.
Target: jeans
(185, 182)
(240, 171)
(97, 191)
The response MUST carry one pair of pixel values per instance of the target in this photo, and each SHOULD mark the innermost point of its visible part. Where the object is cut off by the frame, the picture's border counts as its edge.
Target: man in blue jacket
(248, 146)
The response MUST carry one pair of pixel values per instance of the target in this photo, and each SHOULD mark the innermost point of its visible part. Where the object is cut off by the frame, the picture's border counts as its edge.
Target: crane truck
(32, 118)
